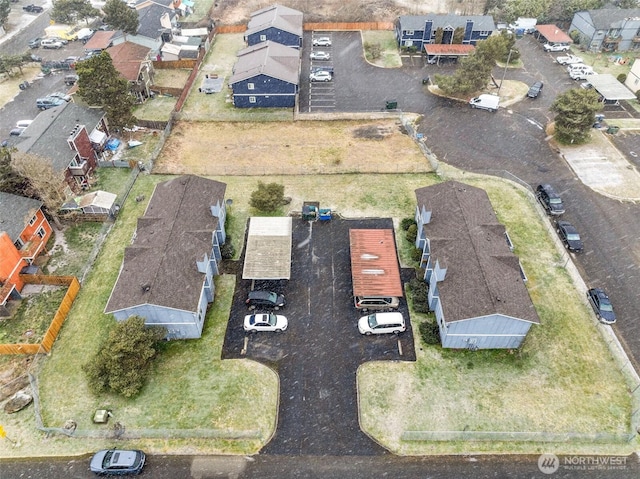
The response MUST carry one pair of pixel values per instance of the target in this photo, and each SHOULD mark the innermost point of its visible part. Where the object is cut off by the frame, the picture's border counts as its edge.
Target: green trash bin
(392, 104)
(612, 130)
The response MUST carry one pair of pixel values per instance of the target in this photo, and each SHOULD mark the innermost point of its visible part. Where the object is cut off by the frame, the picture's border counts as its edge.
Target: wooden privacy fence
(73, 286)
(186, 64)
(349, 26)
(231, 28)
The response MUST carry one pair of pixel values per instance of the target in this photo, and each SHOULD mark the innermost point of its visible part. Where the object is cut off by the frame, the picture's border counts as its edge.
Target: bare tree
(45, 183)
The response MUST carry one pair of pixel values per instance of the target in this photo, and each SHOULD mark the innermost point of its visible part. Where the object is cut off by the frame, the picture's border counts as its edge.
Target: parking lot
(317, 357)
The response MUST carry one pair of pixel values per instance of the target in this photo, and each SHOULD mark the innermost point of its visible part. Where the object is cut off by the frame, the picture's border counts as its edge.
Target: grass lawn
(606, 62)
(386, 39)
(31, 318)
(554, 384)
(79, 239)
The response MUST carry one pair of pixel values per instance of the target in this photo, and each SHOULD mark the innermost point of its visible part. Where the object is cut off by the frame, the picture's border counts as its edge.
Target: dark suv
(265, 299)
(550, 199)
(535, 89)
(569, 236)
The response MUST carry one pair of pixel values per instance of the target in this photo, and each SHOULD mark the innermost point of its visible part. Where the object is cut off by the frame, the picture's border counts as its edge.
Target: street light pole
(504, 74)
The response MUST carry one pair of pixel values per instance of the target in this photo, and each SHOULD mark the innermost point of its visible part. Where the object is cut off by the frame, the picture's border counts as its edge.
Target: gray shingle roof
(267, 58)
(417, 22)
(483, 275)
(16, 212)
(607, 18)
(47, 135)
(175, 232)
(149, 20)
(278, 16)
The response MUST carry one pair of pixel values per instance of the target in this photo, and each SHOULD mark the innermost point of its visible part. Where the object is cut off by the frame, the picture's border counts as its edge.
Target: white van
(23, 123)
(486, 102)
(574, 67)
(376, 302)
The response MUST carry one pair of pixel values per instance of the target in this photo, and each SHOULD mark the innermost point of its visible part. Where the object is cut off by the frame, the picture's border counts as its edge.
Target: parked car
(581, 74)
(35, 58)
(569, 59)
(31, 8)
(84, 34)
(569, 236)
(322, 42)
(70, 79)
(117, 462)
(16, 131)
(23, 123)
(550, 200)
(265, 322)
(60, 39)
(601, 305)
(382, 323)
(48, 102)
(486, 102)
(556, 47)
(35, 42)
(535, 89)
(320, 56)
(267, 299)
(62, 96)
(320, 76)
(51, 44)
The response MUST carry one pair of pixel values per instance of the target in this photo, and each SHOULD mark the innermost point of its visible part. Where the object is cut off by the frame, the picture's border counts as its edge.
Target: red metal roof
(553, 34)
(449, 49)
(374, 263)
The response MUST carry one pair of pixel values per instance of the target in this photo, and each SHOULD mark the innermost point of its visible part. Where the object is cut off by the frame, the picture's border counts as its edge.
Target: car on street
(31, 8)
(265, 322)
(62, 96)
(382, 323)
(320, 76)
(569, 59)
(35, 42)
(569, 236)
(550, 200)
(556, 47)
(117, 462)
(320, 56)
(265, 299)
(322, 42)
(51, 44)
(601, 305)
(48, 102)
(535, 89)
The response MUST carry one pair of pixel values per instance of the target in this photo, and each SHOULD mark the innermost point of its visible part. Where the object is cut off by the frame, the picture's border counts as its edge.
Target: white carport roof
(268, 252)
(610, 88)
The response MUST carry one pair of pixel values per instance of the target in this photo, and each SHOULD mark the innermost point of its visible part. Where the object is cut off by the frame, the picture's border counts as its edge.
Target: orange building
(24, 232)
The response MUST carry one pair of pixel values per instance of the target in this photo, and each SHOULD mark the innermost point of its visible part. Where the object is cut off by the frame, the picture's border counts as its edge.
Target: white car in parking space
(50, 43)
(556, 47)
(382, 323)
(320, 56)
(569, 60)
(322, 42)
(320, 76)
(265, 322)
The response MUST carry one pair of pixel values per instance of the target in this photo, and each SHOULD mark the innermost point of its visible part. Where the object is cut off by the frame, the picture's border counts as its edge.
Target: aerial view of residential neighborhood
(335, 239)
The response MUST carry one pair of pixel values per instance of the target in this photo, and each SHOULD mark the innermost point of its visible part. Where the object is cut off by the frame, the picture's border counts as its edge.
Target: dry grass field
(290, 148)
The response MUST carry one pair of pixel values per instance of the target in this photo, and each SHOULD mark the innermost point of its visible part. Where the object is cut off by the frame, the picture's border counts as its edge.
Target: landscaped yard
(390, 57)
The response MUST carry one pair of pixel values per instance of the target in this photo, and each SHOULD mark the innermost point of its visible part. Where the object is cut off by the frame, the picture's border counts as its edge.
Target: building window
(408, 43)
(18, 243)
(409, 32)
(32, 221)
(41, 233)
(485, 33)
(252, 99)
(251, 86)
(263, 38)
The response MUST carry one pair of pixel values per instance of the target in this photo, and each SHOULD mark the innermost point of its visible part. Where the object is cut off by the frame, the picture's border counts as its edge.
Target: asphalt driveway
(317, 357)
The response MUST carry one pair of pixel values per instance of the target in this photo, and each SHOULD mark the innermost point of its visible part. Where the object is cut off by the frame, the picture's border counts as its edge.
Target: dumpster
(325, 214)
(392, 104)
(612, 130)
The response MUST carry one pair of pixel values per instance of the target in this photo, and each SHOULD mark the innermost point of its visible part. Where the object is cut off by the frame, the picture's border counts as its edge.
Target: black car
(265, 299)
(35, 43)
(569, 236)
(601, 305)
(117, 462)
(33, 8)
(535, 89)
(550, 200)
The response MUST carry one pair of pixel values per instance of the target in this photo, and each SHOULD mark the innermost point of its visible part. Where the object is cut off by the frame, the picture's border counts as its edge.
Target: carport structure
(436, 52)
(268, 251)
(610, 88)
(552, 34)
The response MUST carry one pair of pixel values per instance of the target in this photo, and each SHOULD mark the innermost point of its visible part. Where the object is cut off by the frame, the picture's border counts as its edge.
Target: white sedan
(265, 322)
(556, 47)
(321, 76)
(320, 56)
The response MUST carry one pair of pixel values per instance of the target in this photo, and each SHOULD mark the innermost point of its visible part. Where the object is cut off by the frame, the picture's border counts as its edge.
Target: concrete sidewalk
(601, 167)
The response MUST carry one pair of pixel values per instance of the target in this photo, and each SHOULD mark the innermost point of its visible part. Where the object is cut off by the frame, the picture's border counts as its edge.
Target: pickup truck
(569, 59)
(33, 8)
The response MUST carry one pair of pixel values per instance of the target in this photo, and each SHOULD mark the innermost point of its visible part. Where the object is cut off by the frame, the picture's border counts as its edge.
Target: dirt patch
(292, 148)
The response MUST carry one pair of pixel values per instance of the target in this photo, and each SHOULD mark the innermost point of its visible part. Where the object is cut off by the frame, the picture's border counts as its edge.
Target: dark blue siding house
(266, 75)
(419, 30)
(277, 24)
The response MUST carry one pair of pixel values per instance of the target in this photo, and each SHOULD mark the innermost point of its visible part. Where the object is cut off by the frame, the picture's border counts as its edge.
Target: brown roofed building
(133, 63)
(476, 284)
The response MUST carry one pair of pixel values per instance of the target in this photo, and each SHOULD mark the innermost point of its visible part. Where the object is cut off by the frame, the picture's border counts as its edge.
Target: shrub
(429, 332)
(416, 254)
(622, 77)
(418, 290)
(406, 223)
(227, 250)
(412, 233)
(638, 95)
(268, 197)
